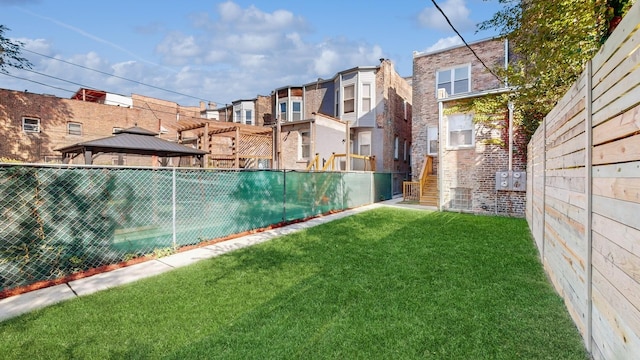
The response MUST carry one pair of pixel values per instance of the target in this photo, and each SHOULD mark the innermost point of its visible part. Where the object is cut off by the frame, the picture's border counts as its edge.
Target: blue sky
(222, 51)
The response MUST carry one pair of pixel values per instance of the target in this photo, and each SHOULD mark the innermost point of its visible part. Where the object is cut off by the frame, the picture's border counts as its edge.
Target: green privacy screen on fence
(58, 221)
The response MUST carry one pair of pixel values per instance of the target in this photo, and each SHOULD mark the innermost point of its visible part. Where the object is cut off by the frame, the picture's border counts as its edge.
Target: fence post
(284, 195)
(544, 189)
(373, 190)
(588, 189)
(173, 207)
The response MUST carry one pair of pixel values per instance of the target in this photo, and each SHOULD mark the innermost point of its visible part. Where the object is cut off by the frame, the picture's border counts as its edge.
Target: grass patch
(384, 284)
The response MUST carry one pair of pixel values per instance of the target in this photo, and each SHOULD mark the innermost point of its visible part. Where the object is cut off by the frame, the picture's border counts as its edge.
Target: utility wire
(464, 41)
(148, 108)
(37, 82)
(118, 77)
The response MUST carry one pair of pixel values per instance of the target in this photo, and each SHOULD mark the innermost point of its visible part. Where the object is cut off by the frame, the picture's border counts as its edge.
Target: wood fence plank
(567, 102)
(622, 235)
(624, 170)
(627, 189)
(569, 146)
(618, 127)
(568, 120)
(618, 256)
(621, 211)
(626, 97)
(628, 287)
(617, 69)
(613, 336)
(623, 150)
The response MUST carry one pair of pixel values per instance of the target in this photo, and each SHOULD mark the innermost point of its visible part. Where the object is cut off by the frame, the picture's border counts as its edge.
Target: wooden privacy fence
(583, 197)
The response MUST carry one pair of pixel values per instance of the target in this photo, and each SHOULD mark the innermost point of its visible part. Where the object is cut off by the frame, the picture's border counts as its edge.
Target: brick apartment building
(34, 125)
(466, 163)
(375, 101)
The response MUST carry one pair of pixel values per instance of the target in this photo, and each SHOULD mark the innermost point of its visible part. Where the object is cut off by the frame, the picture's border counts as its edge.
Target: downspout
(510, 106)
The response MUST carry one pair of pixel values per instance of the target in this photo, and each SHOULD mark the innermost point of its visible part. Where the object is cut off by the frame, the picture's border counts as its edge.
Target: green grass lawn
(384, 284)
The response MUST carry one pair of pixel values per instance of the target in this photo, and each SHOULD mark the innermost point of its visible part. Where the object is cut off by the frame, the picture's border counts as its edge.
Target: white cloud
(444, 43)
(231, 53)
(177, 48)
(456, 11)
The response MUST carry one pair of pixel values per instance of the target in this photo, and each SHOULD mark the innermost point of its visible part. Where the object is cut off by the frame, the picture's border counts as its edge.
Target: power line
(464, 41)
(37, 82)
(119, 77)
(148, 108)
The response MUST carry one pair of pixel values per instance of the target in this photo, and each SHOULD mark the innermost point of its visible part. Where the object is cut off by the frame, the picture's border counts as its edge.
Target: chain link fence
(62, 220)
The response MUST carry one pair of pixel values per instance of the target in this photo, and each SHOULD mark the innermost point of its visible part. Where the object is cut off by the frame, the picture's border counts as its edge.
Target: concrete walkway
(21, 304)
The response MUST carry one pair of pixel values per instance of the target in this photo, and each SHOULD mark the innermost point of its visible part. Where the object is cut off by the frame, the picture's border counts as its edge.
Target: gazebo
(134, 140)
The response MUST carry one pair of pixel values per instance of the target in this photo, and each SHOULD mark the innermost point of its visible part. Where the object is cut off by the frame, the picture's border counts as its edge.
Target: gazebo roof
(133, 140)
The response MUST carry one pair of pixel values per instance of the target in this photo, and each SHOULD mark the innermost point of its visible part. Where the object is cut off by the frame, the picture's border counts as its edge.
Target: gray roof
(133, 141)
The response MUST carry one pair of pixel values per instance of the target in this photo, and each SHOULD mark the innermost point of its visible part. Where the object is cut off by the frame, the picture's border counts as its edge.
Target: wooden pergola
(231, 145)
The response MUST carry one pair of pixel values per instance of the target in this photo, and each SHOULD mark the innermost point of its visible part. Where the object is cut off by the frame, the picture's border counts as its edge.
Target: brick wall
(468, 175)
(97, 121)
(397, 94)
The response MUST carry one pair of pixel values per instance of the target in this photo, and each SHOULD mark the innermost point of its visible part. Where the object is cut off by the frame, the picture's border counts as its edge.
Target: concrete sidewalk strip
(125, 275)
(20, 304)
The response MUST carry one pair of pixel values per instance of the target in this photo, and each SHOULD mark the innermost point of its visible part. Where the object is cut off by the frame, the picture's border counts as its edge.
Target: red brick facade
(93, 120)
(466, 174)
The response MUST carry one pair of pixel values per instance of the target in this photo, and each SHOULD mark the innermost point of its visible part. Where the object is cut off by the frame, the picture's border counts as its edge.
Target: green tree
(550, 42)
(10, 53)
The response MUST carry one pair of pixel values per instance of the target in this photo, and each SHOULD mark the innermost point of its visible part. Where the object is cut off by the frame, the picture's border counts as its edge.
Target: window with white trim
(460, 130)
(366, 98)
(296, 110)
(432, 140)
(396, 148)
(30, 124)
(349, 98)
(248, 117)
(74, 128)
(237, 117)
(364, 143)
(337, 114)
(405, 109)
(305, 145)
(455, 80)
(283, 111)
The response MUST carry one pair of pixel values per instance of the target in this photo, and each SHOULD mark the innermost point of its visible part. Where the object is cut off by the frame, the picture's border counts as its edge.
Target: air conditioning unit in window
(442, 93)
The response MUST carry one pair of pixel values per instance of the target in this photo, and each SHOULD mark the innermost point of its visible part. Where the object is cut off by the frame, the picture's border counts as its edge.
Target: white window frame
(364, 139)
(457, 125)
(248, 117)
(349, 101)
(405, 110)
(75, 132)
(282, 115)
(366, 97)
(304, 145)
(396, 148)
(296, 115)
(337, 103)
(454, 72)
(30, 124)
(433, 140)
(237, 116)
